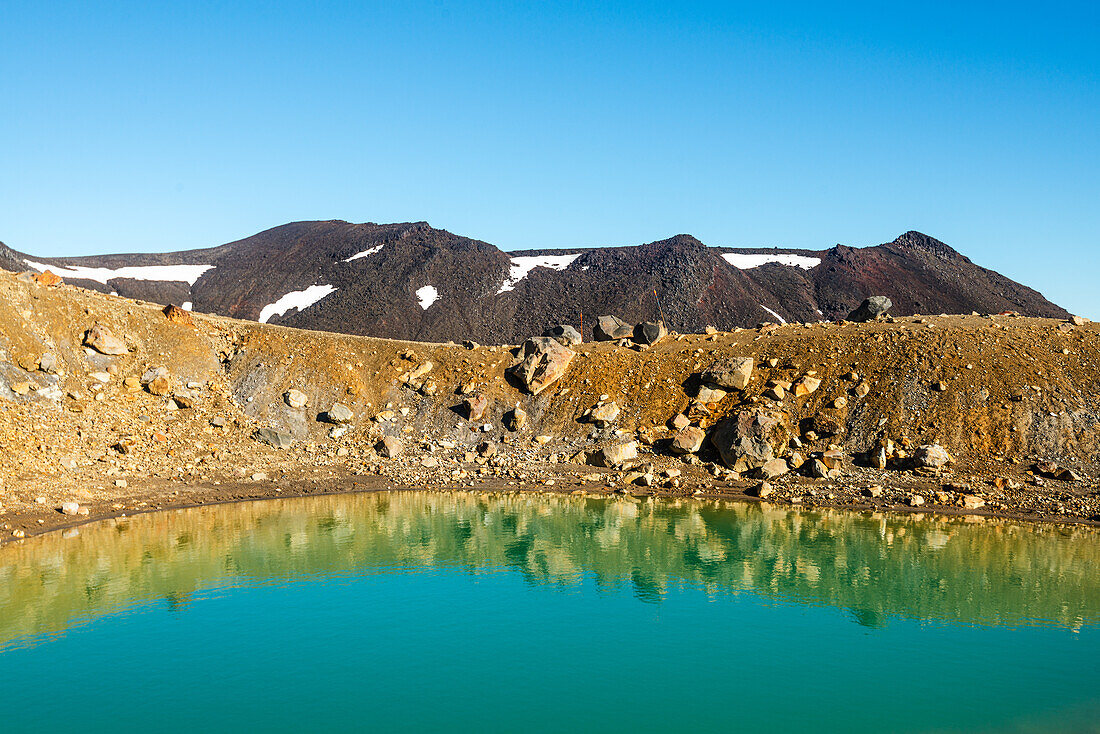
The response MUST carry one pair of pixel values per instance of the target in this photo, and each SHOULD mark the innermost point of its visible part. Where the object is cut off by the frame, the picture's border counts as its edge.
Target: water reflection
(876, 567)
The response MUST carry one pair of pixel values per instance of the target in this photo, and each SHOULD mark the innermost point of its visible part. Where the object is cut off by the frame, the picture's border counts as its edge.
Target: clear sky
(143, 126)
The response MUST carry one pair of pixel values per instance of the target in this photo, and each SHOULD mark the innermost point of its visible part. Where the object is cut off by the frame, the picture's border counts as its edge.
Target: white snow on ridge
(744, 261)
(524, 264)
(427, 296)
(773, 313)
(364, 253)
(300, 300)
(181, 273)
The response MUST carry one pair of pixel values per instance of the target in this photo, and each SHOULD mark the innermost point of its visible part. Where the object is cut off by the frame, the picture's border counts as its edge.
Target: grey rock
(274, 438)
(389, 447)
(564, 334)
(688, 440)
(543, 361)
(871, 309)
(339, 413)
(933, 456)
(751, 438)
(48, 363)
(614, 456)
(733, 373)
(103, 340)
(296, 398)
(649, 332)
(709, 394)
(611, 328)
(516, 420)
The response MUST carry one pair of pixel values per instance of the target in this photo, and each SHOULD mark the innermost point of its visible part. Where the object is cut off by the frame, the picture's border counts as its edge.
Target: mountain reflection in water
(875, 566)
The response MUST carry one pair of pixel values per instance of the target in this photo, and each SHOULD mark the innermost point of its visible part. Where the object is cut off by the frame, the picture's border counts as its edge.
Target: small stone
(806, 385)
(389, 447)
(874, 491)
(543, 439)
(772, 469)
(972, 502)
(611, 328)
(679, 422)
(862, 389)
(177, 315)
(121, 483)
(274, 438)
(516, 420)
(339, 413)
(70, 508)
(840, 402)
(103, 340)
(762, 490)
(916, 500)
(604, 414)
(688, 440)
(710, 394)
(296, 398)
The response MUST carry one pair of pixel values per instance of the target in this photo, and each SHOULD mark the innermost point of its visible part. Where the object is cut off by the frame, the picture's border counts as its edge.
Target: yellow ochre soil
(1014, 401)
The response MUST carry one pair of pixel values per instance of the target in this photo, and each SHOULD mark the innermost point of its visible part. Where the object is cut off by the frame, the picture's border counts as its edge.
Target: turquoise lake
(434, 612)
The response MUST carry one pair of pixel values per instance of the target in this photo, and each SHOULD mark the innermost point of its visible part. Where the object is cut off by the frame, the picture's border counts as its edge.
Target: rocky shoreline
(110, 406)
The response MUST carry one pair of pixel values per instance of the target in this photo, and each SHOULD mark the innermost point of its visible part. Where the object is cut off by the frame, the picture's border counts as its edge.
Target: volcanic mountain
(411, 281)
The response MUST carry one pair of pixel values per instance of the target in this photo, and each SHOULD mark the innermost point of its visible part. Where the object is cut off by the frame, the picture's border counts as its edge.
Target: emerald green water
(454, 612)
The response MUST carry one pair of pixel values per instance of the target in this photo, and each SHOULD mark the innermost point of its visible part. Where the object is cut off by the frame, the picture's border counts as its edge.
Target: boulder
(772, 469)
(177, 315)
(295, 398)
(389, 447)
(604, 414)
(688, 440)
(751, 438)
(475, 407)
(871, 309)
(103, 340)
(48, 278)
(805, 386)
(274, 438)
(709, 394)
(48, 363)
(516, 420)
(733, 373)
(543, 361)
(611, 328)
(932, 457)
(649, 332)
(157, 381)
(339, 413)
(564, 334)
(679, 422)
(613, 457)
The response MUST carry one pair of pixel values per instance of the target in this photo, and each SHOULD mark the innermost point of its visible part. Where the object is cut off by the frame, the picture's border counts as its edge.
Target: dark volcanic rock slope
(411, 281)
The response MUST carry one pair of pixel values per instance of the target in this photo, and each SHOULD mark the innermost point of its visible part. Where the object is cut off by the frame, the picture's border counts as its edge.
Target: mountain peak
(914, 240)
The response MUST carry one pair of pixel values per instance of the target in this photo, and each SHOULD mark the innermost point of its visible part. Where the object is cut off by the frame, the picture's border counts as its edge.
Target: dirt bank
(1013, 400)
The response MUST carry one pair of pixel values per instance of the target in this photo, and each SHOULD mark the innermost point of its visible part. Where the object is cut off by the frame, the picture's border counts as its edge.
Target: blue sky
(161, 126)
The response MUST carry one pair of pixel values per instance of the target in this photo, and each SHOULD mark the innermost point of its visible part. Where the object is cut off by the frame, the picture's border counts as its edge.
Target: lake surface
(524, 613)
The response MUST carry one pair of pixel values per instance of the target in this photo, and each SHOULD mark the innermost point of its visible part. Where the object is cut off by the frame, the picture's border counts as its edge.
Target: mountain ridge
(409, 280)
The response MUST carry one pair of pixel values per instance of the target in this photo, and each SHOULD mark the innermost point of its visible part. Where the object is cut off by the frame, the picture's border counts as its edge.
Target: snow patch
(773, 313)
(186, 306)
(427, 296)
(364, 253)
(743, 261)
(300, 300)
(181, 273)
(524, 264)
